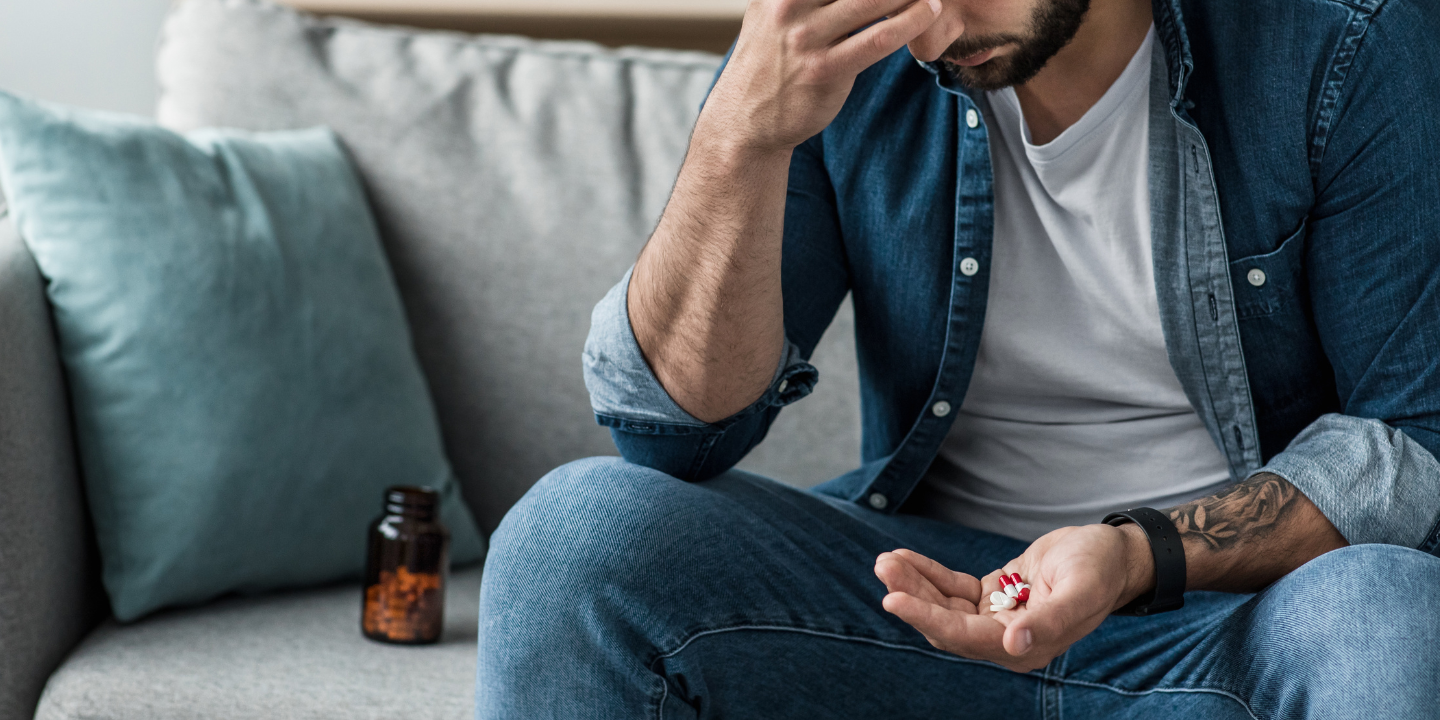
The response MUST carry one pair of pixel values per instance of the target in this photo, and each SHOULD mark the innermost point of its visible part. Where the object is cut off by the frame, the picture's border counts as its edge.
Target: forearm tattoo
(1244, 510)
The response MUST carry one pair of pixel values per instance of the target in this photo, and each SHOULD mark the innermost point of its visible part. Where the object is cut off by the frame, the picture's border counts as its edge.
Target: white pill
(1004, 601)
(996, 608)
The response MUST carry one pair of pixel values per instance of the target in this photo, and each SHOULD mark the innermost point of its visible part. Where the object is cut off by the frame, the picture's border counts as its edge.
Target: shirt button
(969, 266)
(783, 384)
(878, 501)
(940, 409)
(1256, 276)
(972, 118)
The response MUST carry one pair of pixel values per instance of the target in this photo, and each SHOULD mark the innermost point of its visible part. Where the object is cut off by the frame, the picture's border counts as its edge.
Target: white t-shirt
(1074, 410)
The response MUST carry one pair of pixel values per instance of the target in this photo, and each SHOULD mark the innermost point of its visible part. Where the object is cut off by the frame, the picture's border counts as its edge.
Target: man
(1103, 255)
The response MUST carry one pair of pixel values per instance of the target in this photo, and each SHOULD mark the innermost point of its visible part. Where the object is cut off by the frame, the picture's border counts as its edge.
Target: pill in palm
(1000, 599)
(1014, 589)
(1007, 586)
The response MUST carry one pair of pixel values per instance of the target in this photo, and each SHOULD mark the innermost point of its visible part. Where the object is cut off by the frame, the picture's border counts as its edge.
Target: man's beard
(1052, 27)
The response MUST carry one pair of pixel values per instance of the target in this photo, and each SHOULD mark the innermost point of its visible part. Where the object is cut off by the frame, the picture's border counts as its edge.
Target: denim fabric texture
(614, 590)
(1297, 139)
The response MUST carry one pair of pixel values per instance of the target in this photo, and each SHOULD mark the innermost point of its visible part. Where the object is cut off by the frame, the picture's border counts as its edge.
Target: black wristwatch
(1169, 593)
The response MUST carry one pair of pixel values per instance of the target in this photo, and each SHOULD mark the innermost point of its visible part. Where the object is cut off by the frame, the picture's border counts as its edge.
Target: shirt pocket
(1267, 283)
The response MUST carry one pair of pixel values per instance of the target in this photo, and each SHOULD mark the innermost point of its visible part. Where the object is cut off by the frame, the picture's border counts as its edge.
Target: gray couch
(514, 181)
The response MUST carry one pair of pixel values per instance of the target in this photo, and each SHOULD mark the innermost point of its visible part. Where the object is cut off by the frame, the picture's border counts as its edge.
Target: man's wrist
(1139, 564)
(724, 140)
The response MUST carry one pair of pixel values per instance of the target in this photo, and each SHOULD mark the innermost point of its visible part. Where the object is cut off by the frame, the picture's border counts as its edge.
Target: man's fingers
(838, 19)
(874, 43)
(950, 582)
(900, 576)
(929, 45)
(967, 634)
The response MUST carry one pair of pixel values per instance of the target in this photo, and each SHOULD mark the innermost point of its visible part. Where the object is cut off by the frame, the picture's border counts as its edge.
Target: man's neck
(1076, 78)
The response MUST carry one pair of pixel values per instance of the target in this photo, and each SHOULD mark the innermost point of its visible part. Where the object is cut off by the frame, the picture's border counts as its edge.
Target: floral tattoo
(1253, 507)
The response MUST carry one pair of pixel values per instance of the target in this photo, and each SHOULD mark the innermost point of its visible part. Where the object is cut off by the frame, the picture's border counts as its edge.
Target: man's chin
(989, 76)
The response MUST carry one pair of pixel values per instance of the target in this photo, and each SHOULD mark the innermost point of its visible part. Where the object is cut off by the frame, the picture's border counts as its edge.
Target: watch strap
(1169, 554)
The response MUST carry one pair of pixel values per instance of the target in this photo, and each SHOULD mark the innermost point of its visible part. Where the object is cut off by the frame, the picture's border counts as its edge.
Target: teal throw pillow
(240, 368)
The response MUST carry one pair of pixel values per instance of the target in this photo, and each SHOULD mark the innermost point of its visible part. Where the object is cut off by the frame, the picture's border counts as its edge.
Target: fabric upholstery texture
(49, 574)
(242, 382)
(295, 656)
(513, 182)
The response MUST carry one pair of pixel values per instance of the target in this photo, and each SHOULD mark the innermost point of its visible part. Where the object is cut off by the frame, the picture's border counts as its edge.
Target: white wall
(92, 53)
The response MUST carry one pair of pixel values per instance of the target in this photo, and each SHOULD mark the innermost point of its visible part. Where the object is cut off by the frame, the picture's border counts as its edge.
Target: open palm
(1078, 576)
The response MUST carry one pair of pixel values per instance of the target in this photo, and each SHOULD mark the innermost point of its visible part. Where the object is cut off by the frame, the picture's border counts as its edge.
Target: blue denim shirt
(1299, 138)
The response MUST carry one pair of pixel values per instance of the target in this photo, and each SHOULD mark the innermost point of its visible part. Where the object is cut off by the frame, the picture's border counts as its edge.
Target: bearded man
(1147, 301)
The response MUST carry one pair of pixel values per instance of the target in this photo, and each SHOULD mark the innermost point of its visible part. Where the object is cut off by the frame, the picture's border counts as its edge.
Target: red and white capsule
(1009, 587)
(1016, 589)
(1022, 588)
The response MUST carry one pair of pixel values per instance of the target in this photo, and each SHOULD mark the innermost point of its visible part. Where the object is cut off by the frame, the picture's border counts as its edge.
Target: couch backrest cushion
(513, 181)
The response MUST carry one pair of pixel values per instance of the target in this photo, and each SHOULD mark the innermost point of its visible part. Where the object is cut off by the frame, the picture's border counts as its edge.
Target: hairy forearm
(1251, 534)
(704, 299)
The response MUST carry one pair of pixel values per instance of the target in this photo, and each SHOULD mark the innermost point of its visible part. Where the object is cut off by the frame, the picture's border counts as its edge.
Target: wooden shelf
(708, 25)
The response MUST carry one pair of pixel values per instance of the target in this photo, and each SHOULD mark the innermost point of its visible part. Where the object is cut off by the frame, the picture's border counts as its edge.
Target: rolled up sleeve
(648, 426)
(1373, 483)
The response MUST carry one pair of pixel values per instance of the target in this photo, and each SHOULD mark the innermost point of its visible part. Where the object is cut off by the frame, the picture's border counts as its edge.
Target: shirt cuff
(625, 393)
(1373, 483)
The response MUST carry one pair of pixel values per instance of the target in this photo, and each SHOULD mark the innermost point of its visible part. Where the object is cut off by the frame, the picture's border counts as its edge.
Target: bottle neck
(412, 503)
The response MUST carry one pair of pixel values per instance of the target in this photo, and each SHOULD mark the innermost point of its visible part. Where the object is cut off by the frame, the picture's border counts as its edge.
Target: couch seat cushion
(294, 655)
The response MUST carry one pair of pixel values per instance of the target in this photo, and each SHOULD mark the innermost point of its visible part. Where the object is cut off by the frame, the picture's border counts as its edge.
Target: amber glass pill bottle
(405, 573)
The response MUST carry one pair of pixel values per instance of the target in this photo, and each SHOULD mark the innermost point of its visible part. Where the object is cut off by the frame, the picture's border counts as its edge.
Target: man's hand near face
(795, 62)
(1240, 540)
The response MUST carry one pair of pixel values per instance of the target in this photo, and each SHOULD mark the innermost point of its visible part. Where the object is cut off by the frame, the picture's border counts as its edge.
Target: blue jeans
(616, 591)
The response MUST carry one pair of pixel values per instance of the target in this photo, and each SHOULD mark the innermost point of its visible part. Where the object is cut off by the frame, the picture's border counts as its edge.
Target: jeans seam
(1049, 689)
(664, 695)
(1063, 662)
(947, 657)
(939, 655)
(1137, 693)
(665, 684)
(1431, 544)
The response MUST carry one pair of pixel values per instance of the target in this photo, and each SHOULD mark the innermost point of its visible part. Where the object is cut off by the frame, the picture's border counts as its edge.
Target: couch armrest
(50, 592)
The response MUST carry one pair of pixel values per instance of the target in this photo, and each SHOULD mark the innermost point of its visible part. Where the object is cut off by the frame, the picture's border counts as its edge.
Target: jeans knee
(1357, 577)
(1365, 610)
(588, 520)
(1352, 629)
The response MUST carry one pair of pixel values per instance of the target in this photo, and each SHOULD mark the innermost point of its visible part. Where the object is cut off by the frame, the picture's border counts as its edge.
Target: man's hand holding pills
(1078, 576)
